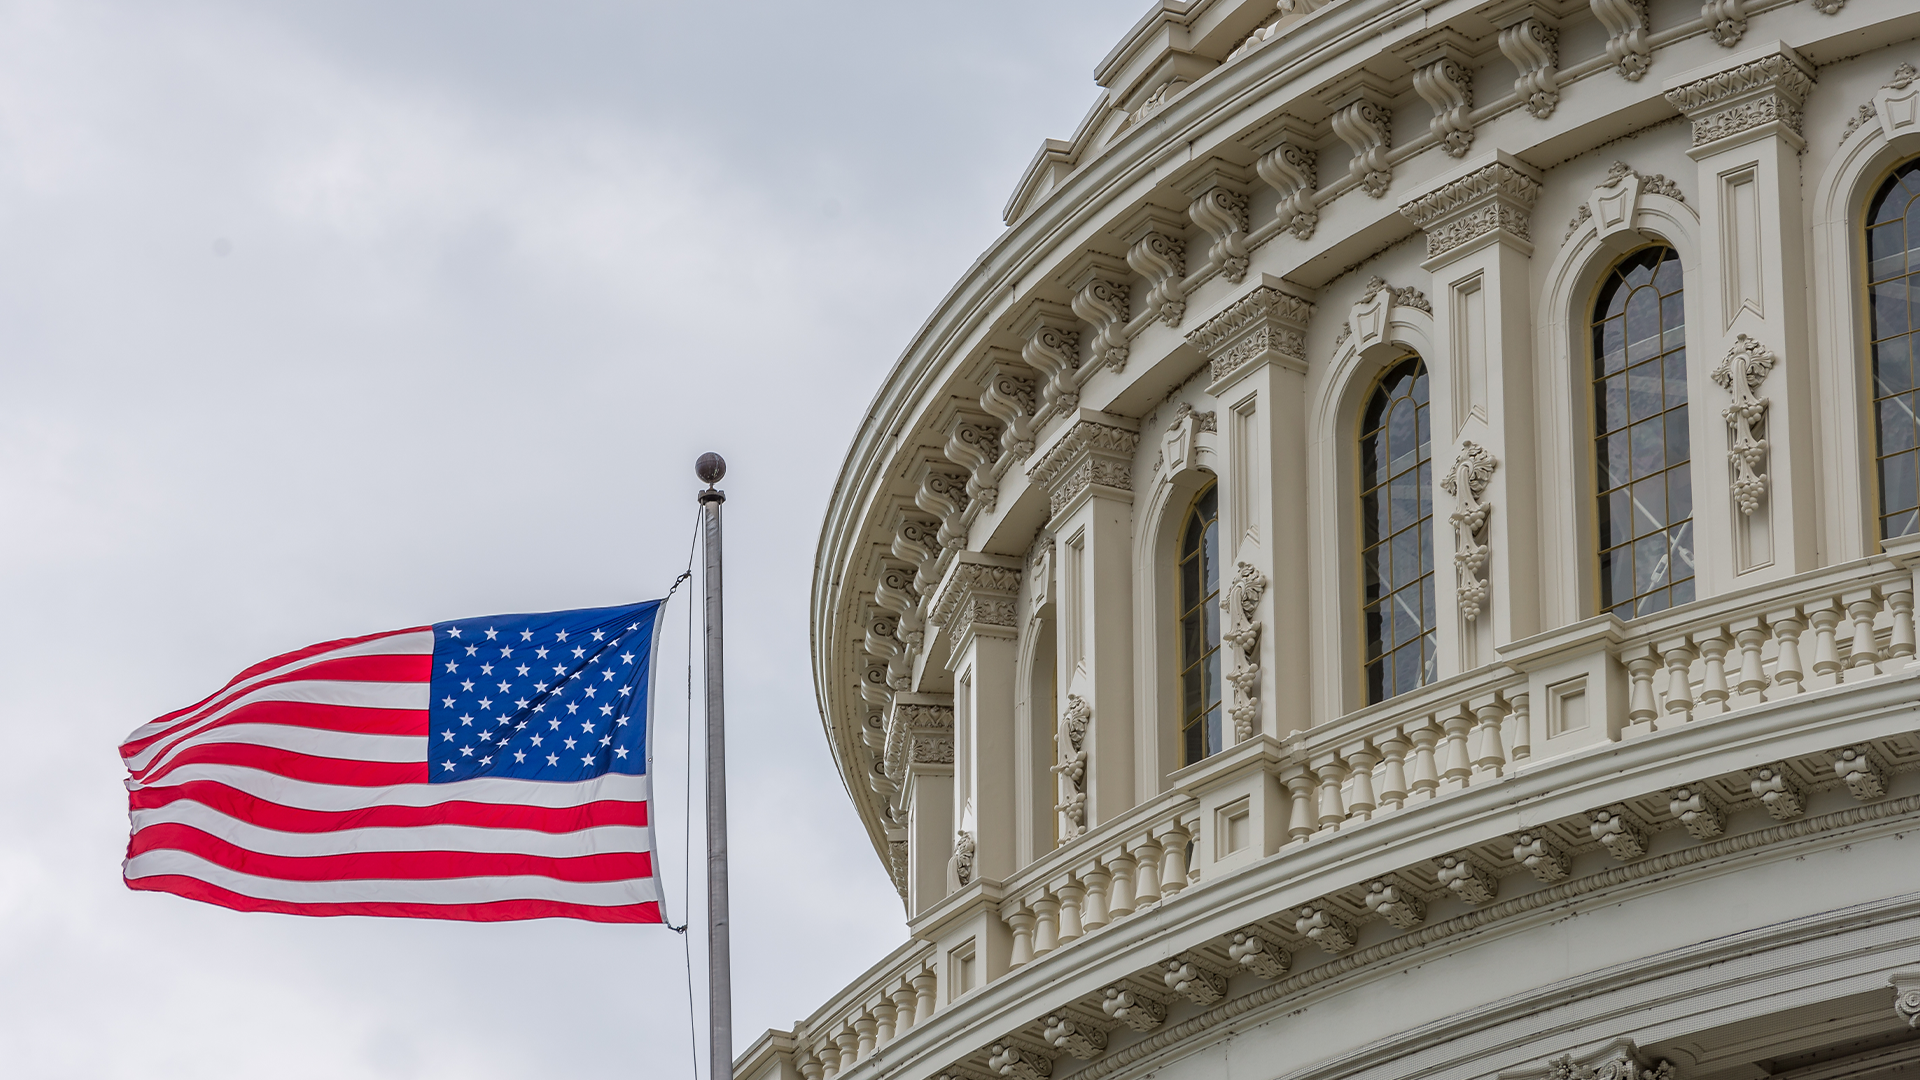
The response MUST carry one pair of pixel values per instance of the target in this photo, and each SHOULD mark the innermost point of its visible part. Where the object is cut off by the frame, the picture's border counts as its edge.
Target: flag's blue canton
(557, 696)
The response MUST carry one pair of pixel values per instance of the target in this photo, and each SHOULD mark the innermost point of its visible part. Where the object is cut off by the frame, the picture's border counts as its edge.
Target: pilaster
(919, 755)
(978, 601)
(1087, 472)
(1750, 282)
(1257, 349)
(1478, 225)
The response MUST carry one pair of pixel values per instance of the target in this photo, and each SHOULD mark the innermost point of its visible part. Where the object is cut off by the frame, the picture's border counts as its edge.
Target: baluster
(1865, 650)
(1019, 920)
(1458, 769)
(1393, 772)
(1713, 682)
(1093, 914)
(924, 985)
(1146, 875)
(1173, 860)
(1301, 818)
(1900, 602)
(809, 1064)
(866, 1032)
(1072, 897)
(1120, 892)
(883, 1017)
(849, 1042)
(1641, 708)
(1360, 800)
(903, 1011)
(1426, 776)
(1333, 774)
(1192, 825)
(1492, 759)
(828, 1055)
(1750, 683)
(1678, 656)
(1789, 675)
(1522, 719)
(1824, 617)
(1046, 924)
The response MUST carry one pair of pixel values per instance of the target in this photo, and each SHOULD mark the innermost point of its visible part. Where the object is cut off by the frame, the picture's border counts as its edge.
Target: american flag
(482, 769)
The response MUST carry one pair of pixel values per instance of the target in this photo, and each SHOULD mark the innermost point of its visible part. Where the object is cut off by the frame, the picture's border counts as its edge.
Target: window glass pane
(1678, 439)
(1890, 308)
(1680, 494)
(1396, 510)
(1893, 267)
(1199, 624)
(1643, 325)
(1610, 339)
(1899, 488)
(1680, 544)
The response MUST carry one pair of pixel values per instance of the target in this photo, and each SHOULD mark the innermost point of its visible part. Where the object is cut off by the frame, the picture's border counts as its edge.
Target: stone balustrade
(881, 1006)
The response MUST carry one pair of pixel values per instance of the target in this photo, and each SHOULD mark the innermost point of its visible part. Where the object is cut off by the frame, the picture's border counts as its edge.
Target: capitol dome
(1399, 563)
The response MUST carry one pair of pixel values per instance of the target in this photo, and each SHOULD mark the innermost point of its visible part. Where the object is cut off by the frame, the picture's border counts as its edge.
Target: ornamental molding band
(1090, 454)
(1896, 105)
(980, 591)
(1619, 1060)
(1740, 373)
(1758, 97)
(1292, 170)
(1240, 599)
(919, 732)
(1367, 321)
(1266, 323)
(1467, 482)
(1533, 47)
(1072, 768)
(1496, 199)
(1012, 398)
(1627, 45)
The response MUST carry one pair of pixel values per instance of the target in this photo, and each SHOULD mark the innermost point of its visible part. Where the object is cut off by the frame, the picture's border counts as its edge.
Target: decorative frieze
(977, 593)
(1266, 322)
(1089, 455)
(1740, 373)
(1291, 169)
(1366, 126)
(1533, 47)
(1133, 1008)
(1255, 951)
(1497, 198)
(1012, 399)
(1467, 482)
(1072, 768)
(1241, 600)
(1627, 45)
(1765, 93)
(1447, 86)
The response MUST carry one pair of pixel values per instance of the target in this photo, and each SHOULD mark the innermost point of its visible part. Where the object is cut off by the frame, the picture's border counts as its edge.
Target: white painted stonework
(1684, 846)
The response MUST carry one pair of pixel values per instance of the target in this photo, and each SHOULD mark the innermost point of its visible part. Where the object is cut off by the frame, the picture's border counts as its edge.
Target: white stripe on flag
(304, 795)
(600, 840)
(476, 890)
(355, 694)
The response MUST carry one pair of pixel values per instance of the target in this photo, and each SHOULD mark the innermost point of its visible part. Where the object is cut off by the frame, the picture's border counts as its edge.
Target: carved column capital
(1758, 97)
(979, 595)
(1267, 325)
(1093, 454)
(919, 733)
(1490, 204)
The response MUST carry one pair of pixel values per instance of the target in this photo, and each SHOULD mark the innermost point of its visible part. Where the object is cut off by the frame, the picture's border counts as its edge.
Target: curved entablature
(1206, 294)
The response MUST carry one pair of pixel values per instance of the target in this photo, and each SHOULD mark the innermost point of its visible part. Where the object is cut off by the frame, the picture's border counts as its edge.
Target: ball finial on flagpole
(710, 468)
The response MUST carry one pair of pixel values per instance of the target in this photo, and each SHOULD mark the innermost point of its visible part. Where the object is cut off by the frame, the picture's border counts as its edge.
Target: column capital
(1490, 201)
(979, 595)
(1090, 454)
(1268, 324)
(919, 732)
(1757, 94)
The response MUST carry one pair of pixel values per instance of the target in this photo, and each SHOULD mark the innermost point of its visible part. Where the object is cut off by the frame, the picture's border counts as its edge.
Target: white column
(1751, 280)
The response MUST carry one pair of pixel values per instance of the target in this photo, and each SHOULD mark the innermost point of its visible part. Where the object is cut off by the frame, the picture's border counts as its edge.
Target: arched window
(1641, 449)
(1893, 276)
(1396, 532)
(1200, 733)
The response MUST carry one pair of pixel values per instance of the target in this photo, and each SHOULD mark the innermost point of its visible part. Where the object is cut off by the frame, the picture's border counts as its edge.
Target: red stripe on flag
(297, 766)
(268, 815)
(496, 911)
(389, 865)
(282, 660)
(386, 669)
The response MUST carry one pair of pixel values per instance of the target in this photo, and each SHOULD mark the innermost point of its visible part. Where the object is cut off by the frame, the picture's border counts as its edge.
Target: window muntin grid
(1200, 708)
(1396, 533)
(1893, 298)
(1641, 445)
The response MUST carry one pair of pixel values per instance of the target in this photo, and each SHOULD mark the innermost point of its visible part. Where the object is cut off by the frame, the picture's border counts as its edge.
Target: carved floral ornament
(1896, 105)
(1467, 482)
(1767, 91)
(1072, 768)
(1264, 322)
(1498, 198)
(1241, 598)
(1740, 373)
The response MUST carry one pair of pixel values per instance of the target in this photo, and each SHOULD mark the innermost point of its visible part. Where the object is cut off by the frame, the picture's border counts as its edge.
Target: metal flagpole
(710, 468)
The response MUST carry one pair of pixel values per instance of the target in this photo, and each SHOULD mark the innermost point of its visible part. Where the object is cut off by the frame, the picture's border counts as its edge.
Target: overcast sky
(323, 318)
